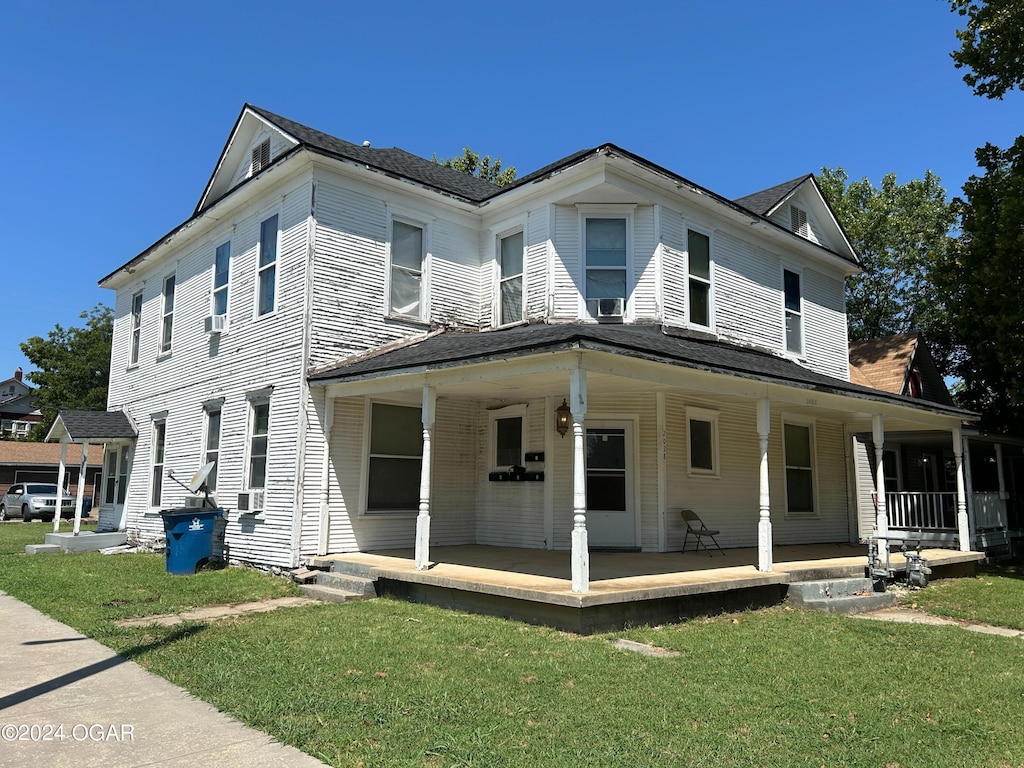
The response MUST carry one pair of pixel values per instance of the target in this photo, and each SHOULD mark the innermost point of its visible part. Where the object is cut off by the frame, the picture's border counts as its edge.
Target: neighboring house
(18, 411)
(380, 352)
(920, 468)
(22, 462)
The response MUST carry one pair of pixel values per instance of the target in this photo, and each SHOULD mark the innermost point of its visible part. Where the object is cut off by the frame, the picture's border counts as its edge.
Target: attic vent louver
(260, 157)
(798, 221)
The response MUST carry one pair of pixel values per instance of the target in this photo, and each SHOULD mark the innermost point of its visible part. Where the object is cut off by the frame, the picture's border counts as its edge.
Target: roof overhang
(92, 427)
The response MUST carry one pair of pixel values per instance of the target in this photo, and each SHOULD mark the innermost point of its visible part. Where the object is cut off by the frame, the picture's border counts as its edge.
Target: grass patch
(995, 596)
(385, 683)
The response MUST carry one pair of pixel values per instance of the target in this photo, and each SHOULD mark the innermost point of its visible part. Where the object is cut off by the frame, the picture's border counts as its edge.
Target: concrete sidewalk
(66, 700)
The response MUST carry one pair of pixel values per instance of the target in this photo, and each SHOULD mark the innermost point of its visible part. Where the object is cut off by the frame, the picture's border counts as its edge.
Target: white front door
(116, 469)
(611, 516)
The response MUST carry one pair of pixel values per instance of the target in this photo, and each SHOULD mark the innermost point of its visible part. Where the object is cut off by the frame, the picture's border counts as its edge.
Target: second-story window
(267, 266)
(606, 259)
(168, 316)
(407, 257)
(221, 267)
(133, 354)
(698, 298)
(794, 312)
(510, 279)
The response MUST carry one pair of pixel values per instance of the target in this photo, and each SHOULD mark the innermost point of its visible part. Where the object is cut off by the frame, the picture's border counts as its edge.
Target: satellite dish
(199, 478)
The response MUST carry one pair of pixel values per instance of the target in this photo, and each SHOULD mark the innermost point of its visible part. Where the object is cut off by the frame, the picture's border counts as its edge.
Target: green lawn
(994, 596)
(385, 683)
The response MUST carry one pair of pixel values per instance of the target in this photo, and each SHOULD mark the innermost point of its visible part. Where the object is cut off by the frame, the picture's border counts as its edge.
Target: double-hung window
(798, 442)
(510, 279)
(159, 437)
(395, 458)
(213, 413)
(136, 339)
(221, 272)
(167, 324)
(794, 312)
(407, 258)
(702, 429)
(699, 299)
(259, 436)
(606, 257)
(267, 271)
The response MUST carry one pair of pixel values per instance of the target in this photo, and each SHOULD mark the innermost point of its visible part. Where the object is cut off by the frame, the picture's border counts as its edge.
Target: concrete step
(328, 594)
(840, 595)
(360, 586)
(352, 569)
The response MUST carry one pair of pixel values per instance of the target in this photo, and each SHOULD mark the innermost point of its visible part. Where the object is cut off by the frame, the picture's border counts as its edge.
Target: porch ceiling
(534, 361)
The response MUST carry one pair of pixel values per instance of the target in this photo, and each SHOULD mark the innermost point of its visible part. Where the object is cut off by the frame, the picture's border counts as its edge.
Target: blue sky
(114, 113)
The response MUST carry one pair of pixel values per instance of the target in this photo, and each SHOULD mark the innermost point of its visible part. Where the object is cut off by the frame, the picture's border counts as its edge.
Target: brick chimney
(17, 373)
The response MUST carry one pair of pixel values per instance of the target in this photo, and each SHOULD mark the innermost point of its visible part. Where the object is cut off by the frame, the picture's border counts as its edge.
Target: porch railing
(989, 511)
(921, 511)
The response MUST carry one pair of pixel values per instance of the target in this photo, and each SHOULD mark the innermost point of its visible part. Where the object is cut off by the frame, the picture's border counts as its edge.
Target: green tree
(982, 281)
(899, 231)
(73, 367)
(470, 163)
(991, 46)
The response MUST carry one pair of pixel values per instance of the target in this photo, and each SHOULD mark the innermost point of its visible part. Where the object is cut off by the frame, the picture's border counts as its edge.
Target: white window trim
(800, 421)
(275, 211)
(135, 328)
(802, 353)
(424, 223)
(508, 412)
(214, 289)
(254, 400)
(160, 418)
(498, 279)
(703, 414)
(687, 228)
(597, 211)
(364, 475)
(895, 451)
(163, 351)
(208, 407)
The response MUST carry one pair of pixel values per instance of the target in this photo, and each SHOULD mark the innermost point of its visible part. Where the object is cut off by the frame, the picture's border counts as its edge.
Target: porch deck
(625, 587)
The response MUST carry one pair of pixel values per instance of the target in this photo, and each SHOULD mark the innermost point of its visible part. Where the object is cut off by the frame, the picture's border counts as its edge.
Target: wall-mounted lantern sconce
(562, 416)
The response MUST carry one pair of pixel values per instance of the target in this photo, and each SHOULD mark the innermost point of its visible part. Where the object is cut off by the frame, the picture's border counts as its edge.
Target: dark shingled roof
(763, 201)
(648, 342)
(97, 425)
(394, 160)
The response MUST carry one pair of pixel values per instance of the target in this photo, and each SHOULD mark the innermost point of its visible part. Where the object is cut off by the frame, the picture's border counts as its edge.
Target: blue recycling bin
(189, 538)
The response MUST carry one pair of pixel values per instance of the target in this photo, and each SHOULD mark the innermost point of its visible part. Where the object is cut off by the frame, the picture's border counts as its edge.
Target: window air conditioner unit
(252, 501)
(216, 323)
(607, 310)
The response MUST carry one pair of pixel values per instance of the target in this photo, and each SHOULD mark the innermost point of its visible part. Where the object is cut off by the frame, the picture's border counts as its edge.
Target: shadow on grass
(95, 668)
(1008, 571)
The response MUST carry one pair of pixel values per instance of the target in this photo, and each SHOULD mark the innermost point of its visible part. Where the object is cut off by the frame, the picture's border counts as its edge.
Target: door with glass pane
(611, 517)
(116, 468)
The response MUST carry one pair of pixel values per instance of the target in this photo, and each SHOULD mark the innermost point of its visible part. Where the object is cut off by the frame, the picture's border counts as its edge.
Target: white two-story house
(380, 352)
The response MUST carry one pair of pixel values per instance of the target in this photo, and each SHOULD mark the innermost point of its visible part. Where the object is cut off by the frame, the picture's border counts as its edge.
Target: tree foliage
(982, 280)
(470, 163)
(991, 46)
(73, 366)
(900, 231)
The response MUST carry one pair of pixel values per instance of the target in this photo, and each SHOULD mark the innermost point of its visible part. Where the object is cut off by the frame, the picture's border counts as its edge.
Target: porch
(626, 588)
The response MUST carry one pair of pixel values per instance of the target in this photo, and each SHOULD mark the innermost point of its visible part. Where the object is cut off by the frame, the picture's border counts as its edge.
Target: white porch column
(962, 523)
(764, 520)
(580, 548)
(324, 530)
(1002, 478)
(423, 519)
(972, 518)
(61, 470)
(82, 466)
(881, 516)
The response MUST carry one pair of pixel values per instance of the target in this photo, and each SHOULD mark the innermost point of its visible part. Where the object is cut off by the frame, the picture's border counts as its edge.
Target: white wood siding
(566, 266)
(825, 330)
(644, 279)
(673, 265)
(747, 292)
(201, 368)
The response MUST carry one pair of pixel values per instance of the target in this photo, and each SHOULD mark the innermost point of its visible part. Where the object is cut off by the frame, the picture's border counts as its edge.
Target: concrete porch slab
(85, 541)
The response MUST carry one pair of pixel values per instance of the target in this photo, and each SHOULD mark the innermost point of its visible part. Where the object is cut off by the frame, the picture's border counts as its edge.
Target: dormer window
(260, 157)
(798, 221)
